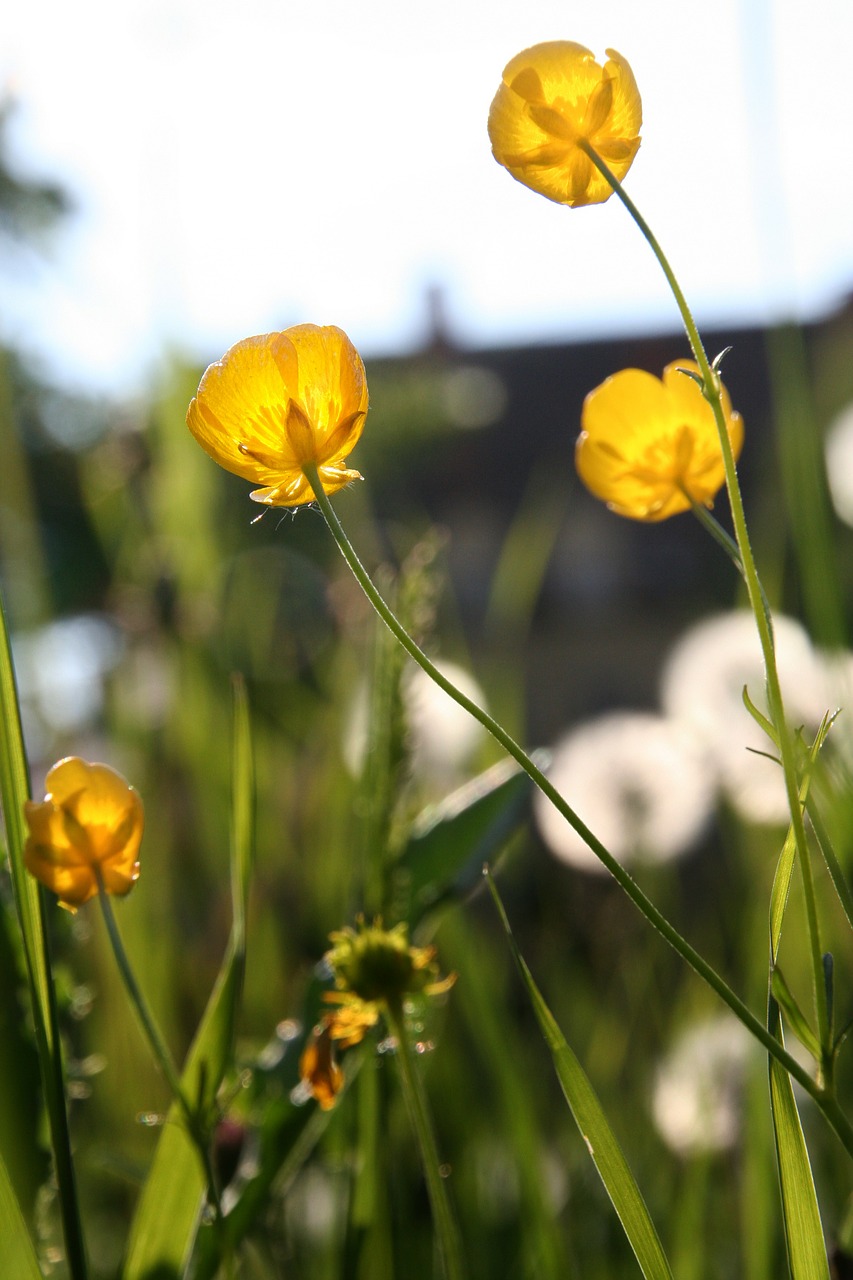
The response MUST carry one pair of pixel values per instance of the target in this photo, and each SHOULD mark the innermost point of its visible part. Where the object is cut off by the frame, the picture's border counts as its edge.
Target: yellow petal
(626, 115)
(563, 70)
(72, 885)
(318, 1069)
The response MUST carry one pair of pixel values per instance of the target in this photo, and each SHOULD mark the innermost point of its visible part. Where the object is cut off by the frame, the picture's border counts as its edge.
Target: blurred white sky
(239, 168)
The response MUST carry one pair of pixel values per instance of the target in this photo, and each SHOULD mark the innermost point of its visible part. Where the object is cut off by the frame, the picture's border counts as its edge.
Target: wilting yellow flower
(89, 824)
(317, 1066)
(276, 403)
(374, 968)
(553, 97)
(649, 447)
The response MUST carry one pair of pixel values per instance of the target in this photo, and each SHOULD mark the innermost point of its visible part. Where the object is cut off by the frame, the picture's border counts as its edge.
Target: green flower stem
(647, 908)
(413, 1092)
(716, 530)
(157, 1043)
(713, 394)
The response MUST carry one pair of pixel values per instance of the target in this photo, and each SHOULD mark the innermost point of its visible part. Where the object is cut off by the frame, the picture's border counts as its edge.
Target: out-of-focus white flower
(443, 737)
(698, 1090)
(839, 464)
(702, 687)
(638, 781)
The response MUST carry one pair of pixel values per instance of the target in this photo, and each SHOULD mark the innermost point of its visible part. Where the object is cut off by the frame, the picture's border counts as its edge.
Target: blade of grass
(801, 1216)
(411, 1086)
(785, 865)
(544, 1251)
(167, 1218)
(30, 908)
(780, 890)
(794, 1014)
(594, 1126)
(19, 1255)
(15, 791)
(830, 857)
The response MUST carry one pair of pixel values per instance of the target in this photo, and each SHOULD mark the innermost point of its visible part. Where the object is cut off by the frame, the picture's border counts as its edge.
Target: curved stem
(157, 1043)
(712, 390)
(413, 1092)
(716, 530)
(620, 875)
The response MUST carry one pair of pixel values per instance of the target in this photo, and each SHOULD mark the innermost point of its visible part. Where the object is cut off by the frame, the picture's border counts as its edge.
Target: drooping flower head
(649, 446)
(88, 825)
(554, 96)
(276, 403)
(374, 968)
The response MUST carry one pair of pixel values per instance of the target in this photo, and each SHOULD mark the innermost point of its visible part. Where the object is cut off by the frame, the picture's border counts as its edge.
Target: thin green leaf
(446, 851)
(14, 792)
(794, 1014)
(19, 1255)
(243, 809)
(169, 1211)
(830, 857)
(543, 1250)
(21, 1140)
(594, 1127)
(29, 905)
(779, 892)
(803, 1230)
(759, 718)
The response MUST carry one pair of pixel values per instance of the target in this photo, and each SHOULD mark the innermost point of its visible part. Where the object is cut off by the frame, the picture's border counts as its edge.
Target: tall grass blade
(169, 1212)
(785, 865)
(19, 1255)
(594, 1127)
(29, 906)
(803, 1231)
(14, 792)
(780, 890)
(830, 857)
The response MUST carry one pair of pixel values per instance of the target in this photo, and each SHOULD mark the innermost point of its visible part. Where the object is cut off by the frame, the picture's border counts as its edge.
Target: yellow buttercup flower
(276, 403)
(374, 968)
(88, 825)
(649, 448)
(553, 97)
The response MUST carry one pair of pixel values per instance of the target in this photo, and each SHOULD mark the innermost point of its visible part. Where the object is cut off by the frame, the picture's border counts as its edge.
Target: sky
(239, 168)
